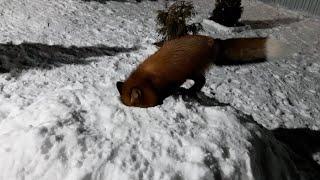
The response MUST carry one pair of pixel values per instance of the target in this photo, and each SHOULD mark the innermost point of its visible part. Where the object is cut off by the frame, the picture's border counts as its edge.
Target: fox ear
(135, 95)
(119, 86)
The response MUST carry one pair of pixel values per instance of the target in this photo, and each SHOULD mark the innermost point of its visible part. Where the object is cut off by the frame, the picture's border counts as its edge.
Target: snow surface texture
(63, 119)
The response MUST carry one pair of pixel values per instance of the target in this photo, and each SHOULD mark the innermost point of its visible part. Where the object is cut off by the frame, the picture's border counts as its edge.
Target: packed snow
(61, 117)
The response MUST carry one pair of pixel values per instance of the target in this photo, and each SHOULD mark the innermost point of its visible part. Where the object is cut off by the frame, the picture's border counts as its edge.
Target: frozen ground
(61, 117)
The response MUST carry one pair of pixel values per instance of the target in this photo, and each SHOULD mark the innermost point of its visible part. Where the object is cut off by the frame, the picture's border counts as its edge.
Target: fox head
(142, 95)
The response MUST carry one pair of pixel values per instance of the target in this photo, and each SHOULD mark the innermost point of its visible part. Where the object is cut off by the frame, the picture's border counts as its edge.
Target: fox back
(179, 58)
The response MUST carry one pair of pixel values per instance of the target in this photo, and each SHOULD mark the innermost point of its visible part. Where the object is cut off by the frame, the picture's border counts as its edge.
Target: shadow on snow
(270, 23)
(35, 55)
(104, 1)
(303, 142)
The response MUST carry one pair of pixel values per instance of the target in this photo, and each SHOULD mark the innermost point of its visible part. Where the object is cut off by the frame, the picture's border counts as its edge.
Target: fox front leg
(199, 81)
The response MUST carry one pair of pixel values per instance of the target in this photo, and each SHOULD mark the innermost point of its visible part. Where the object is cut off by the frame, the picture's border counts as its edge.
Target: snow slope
(64, 120)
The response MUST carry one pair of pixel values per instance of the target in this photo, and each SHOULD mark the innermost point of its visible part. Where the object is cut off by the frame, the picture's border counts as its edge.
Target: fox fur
(162, 73)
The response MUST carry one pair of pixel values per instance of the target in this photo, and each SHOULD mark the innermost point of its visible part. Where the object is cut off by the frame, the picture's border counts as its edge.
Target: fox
(188, 57)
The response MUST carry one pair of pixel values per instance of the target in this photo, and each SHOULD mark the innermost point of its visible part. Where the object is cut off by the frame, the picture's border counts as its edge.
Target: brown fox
(162, 74)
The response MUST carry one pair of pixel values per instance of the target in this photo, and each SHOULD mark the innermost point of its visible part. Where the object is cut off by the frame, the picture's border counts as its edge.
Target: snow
(64, 120)
(221, 28)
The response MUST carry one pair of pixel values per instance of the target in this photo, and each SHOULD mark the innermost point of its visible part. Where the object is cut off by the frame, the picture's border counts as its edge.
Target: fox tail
(249, 50)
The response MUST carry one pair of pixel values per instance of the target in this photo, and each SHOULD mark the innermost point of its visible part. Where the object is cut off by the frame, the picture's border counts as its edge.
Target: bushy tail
(249, 50)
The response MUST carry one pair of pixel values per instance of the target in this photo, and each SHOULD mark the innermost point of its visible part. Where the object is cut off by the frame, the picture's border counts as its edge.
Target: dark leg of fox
(172, 89)
(199, 81)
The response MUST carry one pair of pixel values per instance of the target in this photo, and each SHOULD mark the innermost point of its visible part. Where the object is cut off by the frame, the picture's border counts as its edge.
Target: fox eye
(135, 95)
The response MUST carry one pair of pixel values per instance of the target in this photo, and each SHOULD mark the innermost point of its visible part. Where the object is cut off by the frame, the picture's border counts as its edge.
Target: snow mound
(54, 139)
(213, 26)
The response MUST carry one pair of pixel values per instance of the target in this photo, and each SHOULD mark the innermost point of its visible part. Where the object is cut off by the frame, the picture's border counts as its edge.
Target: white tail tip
(277, 49)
